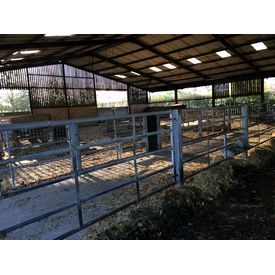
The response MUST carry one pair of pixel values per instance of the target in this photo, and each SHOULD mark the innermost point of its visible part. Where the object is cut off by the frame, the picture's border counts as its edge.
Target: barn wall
(83, 112)
(57, 113)
(60, 113)
(137, 108)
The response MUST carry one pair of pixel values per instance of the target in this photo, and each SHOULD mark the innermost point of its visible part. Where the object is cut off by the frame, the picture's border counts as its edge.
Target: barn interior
(189, 101)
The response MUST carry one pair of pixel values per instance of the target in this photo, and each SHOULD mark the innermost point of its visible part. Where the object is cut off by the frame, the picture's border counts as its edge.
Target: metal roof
(110, 55)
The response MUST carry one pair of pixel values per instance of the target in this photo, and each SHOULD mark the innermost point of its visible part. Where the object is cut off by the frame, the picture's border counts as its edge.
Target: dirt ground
(246, 214)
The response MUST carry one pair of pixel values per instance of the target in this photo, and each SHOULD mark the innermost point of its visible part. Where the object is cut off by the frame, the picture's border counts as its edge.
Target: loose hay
(160, 217)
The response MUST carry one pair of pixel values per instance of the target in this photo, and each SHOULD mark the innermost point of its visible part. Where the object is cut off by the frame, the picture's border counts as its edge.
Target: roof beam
(170, 52)
(154, 45)
(128, 68)
(169, 59)
(56, 44)
(227, 45)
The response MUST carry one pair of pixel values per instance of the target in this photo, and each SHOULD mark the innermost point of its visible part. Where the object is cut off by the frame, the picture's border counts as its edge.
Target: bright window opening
(107, 99)
(14, 101)
(167, 96)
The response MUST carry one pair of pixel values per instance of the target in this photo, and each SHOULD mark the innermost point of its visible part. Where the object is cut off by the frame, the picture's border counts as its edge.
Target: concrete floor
(25, 206)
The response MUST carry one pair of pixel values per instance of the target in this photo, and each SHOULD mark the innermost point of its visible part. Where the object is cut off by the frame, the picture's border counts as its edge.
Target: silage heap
(169, 214)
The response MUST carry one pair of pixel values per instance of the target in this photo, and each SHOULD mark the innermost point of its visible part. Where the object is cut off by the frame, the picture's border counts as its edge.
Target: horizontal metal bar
(155, 172)
(37, 186)
(209, 137)
(212, 108)
(38, 155)
(33, 125)
(3, 171)
(91, 197)
(110, 213)
(40, 144)
(205, 153)
(120, 161)
(38, 163)
(261, 132)
(36, 219)
(259, 143)
(122, 139)
(93, 221)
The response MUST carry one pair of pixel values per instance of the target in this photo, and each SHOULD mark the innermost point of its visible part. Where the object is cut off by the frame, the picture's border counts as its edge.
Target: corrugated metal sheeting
(109, 55)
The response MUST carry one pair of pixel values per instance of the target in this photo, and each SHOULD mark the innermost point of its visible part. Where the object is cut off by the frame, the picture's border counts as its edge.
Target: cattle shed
(68, 161)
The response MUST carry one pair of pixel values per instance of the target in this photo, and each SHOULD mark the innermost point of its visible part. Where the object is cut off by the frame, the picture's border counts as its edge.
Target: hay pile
(172, 211)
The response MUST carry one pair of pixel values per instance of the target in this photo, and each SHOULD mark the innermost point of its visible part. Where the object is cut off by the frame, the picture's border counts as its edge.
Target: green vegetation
(14, 101)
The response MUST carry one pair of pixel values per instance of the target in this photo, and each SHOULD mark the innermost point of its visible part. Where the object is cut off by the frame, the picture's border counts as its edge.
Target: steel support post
(135, 159)
(262, 90)
(225, 155)
(7, 142)
(176, 96)
(245, 134)
(200, 123)
(76, 166)
(145, 131)
(158, 129)
(176, 142)
(229, 118)
(213, 97)
(118, 150)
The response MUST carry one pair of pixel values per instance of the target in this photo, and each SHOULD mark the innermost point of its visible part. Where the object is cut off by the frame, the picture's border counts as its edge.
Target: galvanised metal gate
(92, 168)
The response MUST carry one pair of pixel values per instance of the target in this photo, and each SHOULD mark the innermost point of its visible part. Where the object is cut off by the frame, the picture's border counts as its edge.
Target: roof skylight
(120, 75)
(170, 66)
(194, 60)
(30, 51)
(223, 54)
(16, 59)
(52, 35)
(155, 69)
(259, 46)
(132, 72)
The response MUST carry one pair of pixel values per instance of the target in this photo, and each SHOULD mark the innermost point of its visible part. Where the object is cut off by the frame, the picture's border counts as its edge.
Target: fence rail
(91, 168)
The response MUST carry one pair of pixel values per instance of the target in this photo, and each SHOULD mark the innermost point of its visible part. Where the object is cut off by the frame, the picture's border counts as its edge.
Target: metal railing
(92, 168)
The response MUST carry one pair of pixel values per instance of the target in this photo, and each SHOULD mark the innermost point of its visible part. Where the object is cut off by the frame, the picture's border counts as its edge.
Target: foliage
(14, 101)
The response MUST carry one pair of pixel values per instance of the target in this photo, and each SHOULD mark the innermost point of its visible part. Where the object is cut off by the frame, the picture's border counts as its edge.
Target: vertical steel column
(118, 151)
(6, 140)
(176, 96)
(128, 100)
(95, 93)
(225, 155)
(176, 142)
(158, 129)
(76, 166)
(208, 140)
(135, 160)
(29, 88)
(65, 90)
(200, 123)
(245, 134)
(262, 90)
(145, 132)
(228, 118)
(213, 96)
(147, 101)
